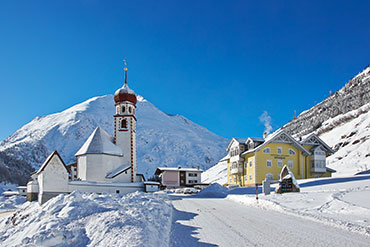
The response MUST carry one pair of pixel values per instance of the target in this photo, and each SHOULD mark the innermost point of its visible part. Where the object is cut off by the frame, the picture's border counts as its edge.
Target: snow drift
(137, 219)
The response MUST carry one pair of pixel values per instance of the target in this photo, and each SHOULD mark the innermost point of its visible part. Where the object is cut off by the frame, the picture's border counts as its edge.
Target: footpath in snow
(340, 202)
(137, 219)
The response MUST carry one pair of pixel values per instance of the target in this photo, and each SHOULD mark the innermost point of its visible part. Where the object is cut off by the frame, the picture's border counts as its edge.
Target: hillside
(162, 139)
(352, 96)
(342, 120)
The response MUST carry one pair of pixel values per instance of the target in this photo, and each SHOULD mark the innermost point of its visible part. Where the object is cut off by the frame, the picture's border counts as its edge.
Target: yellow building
(252, 160)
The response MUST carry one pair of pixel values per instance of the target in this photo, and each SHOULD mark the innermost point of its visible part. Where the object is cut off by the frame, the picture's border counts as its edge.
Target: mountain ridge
(161, 139)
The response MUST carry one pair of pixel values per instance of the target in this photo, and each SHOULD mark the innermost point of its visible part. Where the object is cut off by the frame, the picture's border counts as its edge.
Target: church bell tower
(125, 125)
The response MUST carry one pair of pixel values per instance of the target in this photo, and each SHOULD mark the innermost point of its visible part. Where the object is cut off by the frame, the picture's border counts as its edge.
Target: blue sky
(218, 63)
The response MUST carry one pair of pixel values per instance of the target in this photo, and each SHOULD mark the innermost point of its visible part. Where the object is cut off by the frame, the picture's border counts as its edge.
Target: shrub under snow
(77, 219)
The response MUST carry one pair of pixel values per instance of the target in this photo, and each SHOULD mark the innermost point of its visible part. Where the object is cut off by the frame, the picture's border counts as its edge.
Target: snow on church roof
(99, 142)
(117, 171)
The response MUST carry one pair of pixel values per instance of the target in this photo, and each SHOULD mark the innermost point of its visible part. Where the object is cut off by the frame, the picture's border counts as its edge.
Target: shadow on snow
(181, 235)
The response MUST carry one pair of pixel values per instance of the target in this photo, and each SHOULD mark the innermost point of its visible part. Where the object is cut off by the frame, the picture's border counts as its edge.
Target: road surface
(221, 222)
(3, 214)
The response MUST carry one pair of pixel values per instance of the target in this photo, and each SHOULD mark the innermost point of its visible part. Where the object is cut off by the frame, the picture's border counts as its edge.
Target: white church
(105, 164)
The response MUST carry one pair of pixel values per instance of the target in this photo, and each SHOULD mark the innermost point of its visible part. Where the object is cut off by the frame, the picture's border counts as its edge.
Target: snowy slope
(216, 174)
(351, 139)
(162, 139)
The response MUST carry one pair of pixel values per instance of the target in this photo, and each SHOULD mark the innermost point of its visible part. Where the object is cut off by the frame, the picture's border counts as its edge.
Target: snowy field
(77, 219)
(340, 202)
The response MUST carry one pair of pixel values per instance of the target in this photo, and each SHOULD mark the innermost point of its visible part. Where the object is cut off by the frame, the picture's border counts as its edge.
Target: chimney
(264, 135)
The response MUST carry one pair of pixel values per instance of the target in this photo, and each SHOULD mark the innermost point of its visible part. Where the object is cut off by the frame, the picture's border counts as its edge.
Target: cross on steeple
(125, 69)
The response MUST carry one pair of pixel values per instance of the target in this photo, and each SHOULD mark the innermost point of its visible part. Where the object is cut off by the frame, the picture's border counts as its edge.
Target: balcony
(318, 166)
(236, 170)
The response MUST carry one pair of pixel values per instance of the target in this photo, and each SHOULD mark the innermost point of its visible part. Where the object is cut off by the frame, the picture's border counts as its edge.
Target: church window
(129, 109)
(123, 124)
(123, 109)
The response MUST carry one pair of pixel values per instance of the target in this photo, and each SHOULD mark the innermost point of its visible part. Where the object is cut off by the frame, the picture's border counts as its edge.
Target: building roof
(330, 170)
(99, 142)
(257, 139)
(225, 158)
(313, 139)
(280, 136)
(48, 159)
(161, 169)
(239, 140)
(117, 171)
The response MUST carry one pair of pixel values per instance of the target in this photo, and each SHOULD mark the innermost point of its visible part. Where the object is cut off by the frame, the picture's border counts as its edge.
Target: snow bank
(77, 219)
(214, 190)
(11, 203)
(345, 205)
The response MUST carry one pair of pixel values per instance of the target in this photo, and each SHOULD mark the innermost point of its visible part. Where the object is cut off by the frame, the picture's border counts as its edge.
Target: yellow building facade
(259, 158)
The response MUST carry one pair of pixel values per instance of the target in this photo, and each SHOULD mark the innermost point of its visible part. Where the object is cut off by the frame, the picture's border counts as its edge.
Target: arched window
(129, 109)
(123, 124)
(123, 108)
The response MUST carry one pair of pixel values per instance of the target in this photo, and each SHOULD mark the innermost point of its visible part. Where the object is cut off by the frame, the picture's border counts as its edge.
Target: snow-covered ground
(216, 174)
(222, 222)
(11, 203)
(351, 138)
(341, 202)
(137, 219)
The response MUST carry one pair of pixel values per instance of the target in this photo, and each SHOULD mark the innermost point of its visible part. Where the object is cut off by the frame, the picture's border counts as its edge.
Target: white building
(105, 164)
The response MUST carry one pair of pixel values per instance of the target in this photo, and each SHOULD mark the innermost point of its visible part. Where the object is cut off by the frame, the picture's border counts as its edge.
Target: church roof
(99, 142)
(47, 161)
(117, 171)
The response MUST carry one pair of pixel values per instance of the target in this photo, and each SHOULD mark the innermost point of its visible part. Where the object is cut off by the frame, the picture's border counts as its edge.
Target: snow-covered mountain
(342, 120)
(162, 139)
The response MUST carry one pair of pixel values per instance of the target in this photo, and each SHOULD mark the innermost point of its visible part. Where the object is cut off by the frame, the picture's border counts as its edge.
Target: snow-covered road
(222, 222)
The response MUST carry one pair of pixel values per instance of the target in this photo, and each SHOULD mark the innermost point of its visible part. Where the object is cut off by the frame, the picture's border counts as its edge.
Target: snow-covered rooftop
(179, 169)
(118, 171)
(99, 142)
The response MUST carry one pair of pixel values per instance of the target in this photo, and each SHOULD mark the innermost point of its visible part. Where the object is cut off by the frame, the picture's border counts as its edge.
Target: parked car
(190, 191)
(179, 190)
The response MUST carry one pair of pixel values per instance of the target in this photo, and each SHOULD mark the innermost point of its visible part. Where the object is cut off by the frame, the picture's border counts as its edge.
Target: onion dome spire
(125, 93)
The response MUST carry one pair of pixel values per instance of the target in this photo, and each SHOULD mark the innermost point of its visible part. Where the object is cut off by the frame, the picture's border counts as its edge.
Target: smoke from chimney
(266, 120)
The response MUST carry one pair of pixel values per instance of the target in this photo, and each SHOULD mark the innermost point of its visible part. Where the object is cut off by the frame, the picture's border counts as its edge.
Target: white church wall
(95, 167)
(82, 167)
(54, 178)
(100, 187)
(124, 177)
